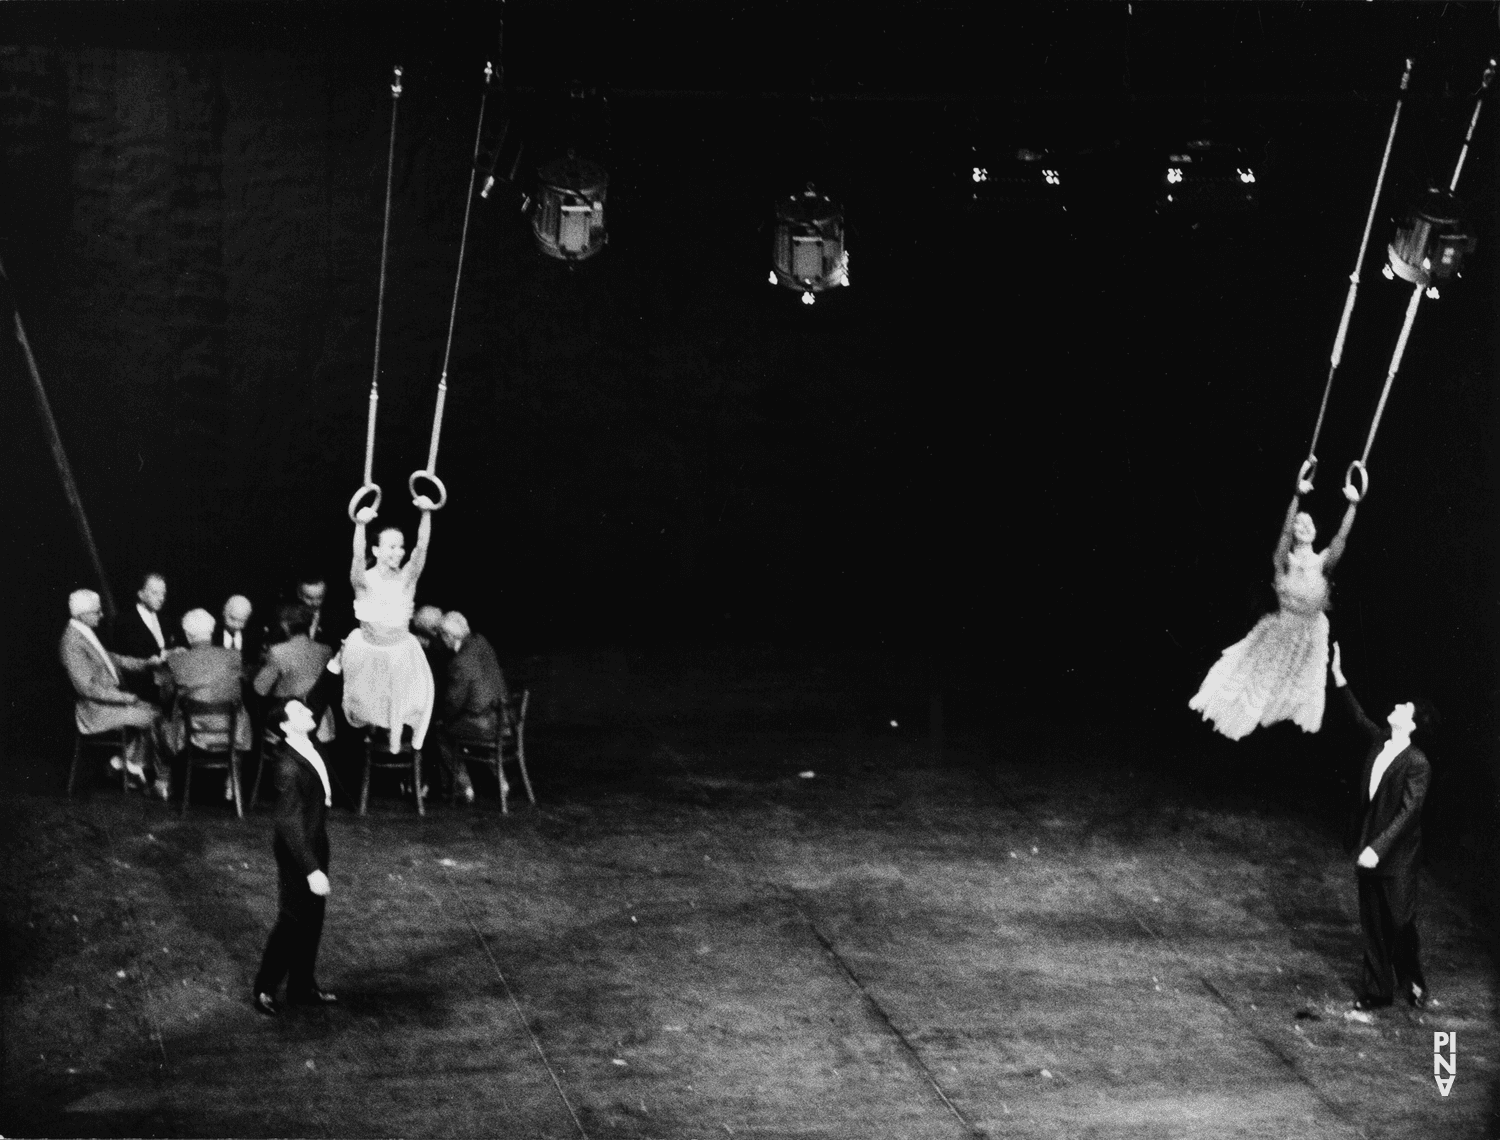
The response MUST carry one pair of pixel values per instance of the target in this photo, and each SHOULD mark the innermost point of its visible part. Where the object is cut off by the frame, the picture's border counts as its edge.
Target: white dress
(387, 681)
(1278, 670)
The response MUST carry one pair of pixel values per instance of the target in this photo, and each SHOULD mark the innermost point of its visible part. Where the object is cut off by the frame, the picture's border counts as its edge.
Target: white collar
(93, 639)
(304, 747)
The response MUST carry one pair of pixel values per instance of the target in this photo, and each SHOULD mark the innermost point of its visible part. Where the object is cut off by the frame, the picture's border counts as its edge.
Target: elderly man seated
(236, 631)
(469, 710)
(294, 665)
(102, 705)
(205, 672)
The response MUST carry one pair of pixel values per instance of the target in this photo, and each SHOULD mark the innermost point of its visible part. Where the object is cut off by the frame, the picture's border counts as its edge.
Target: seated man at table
(294, 665)
(469, 709)
(102, 705)
(139, 632)
(205, 672)
(239, 631)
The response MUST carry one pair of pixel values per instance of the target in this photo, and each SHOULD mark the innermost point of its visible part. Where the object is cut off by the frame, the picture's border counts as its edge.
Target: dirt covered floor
(758, 934)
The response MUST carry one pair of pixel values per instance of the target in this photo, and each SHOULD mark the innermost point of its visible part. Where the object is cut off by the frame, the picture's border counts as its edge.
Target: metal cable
(385, 238)
(463, 241)
(1310, 467)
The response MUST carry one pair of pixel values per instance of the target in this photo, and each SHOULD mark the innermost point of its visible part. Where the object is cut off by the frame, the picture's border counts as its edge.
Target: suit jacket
(1391, 823)
(301, 814)
(474, 690)
(325, 630)
(292, 668)
(131, 637)
(206, 673)
(101, 703)
(252, 643)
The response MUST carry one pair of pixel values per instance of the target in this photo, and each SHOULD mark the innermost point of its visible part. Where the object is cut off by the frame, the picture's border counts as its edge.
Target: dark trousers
(292, 949)
(1387, 914)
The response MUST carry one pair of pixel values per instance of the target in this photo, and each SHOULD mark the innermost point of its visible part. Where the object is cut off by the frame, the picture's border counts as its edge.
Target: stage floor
(692, 939)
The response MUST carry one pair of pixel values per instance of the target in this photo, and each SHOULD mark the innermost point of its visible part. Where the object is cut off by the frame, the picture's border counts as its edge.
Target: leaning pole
(59, 456)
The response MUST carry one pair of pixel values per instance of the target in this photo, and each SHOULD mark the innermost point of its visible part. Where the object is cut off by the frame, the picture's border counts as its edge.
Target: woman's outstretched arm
(1284, 543)
(1335, 549)
(357, 567)
(418, 560)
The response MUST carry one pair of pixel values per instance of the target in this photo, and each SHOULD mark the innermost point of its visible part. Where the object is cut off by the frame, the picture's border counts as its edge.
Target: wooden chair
(377, 742)
(209, 747)
(118, 739)
(508, 745)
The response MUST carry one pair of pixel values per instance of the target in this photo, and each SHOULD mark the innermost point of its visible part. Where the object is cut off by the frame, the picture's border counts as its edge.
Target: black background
(1039, 458)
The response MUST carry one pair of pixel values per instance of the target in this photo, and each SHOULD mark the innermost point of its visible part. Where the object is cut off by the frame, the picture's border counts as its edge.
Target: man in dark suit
(312, 592)
(1386, 829)
(303, 796)
(238, 630)
(469, 710)
(143, 632)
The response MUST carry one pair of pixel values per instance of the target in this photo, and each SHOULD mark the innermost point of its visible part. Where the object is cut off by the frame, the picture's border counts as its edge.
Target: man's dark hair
(312, 580)
(294, 619)
(1428, 719)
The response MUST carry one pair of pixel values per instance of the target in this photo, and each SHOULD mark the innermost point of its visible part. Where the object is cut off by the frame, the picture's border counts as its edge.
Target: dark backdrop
(1043, 457)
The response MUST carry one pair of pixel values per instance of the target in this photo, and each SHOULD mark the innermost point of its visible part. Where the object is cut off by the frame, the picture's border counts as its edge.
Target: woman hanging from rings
(387, 682)
(1276, 672)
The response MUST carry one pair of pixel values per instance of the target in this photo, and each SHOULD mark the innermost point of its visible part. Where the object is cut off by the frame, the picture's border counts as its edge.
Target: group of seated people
(145, 677)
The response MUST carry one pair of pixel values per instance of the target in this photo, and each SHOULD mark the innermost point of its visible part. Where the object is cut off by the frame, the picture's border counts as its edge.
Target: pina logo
(1441, 1064)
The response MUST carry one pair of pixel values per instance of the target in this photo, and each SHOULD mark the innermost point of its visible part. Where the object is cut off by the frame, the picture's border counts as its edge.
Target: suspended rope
(430, 471)
(369, 486)
(1310, 465)
(1359, 466)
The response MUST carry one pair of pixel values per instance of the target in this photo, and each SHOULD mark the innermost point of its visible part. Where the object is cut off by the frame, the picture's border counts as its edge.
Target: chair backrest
(211, 725)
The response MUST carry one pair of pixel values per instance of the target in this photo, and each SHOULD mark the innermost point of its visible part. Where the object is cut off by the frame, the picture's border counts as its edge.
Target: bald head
(455, 630)
(237, 611)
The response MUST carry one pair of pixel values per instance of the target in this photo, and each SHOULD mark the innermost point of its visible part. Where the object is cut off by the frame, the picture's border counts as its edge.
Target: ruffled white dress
(1278, 670)
(387, 681)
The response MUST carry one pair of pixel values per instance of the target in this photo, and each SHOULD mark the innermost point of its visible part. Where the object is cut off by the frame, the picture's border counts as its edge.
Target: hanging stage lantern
(568, 214)
(807, 251)
(1207, 177)
(1431, 245)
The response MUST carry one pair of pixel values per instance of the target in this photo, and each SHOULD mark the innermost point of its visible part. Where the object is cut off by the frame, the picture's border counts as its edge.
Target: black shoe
(312, 997)
(266, 1004)
(1420, 999)
(1367, 1002)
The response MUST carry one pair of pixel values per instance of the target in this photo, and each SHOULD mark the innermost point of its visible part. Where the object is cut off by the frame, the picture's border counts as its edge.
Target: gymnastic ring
(1305, 475)
(442, 491)
(1350, 493)
(354, 507)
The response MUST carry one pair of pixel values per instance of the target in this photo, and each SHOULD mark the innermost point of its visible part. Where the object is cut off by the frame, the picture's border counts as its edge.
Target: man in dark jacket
(470, 708)
(1386, 830)
(301, 846)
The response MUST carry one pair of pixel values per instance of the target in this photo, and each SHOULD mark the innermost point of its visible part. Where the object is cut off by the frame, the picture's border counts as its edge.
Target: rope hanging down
(369, 486)
(1358, 467)
(1310, 464)
(430, 471)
